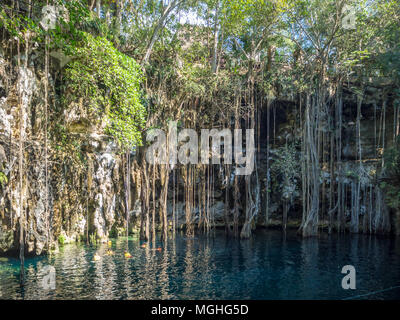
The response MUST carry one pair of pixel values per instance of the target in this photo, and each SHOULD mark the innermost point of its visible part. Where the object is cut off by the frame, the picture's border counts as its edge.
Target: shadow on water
(270, 265)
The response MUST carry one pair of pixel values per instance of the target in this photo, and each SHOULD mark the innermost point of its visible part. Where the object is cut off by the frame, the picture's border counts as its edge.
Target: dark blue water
(268, 266)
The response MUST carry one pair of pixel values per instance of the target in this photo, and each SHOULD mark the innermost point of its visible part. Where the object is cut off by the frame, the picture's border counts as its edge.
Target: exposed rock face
(78, 198)
(88, 197)
(105, 198)
(6, 240)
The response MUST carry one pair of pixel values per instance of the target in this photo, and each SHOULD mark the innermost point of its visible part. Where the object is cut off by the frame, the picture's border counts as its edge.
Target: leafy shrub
(61, 239)
(109, 83)
(285, 171)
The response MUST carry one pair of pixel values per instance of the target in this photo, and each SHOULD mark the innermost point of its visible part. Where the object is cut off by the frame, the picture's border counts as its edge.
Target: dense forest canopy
(114, 69)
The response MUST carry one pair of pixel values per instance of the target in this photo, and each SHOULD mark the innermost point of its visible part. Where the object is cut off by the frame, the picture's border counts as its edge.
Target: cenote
(269, 265)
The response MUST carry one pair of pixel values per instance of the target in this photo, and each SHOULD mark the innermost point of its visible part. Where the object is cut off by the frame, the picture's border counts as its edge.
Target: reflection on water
(271, 265)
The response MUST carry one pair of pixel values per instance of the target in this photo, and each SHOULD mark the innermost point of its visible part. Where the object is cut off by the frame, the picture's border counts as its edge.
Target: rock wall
(377, 111)
(76, 193)
(85, 187)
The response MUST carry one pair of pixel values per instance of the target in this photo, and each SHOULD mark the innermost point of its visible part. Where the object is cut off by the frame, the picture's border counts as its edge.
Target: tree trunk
(98, 8)
(159, 26)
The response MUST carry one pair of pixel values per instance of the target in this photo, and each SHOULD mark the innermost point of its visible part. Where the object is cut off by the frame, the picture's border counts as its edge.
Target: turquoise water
(268, 266)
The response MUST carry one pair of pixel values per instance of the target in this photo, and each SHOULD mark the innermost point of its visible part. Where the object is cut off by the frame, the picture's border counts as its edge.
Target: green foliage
(3, 178)
(61, 239)
(109, 84)
(18, 25)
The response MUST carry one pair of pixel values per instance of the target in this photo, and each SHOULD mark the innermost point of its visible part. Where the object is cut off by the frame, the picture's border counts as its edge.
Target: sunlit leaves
(391, 183)
(110, 83)
(3, 178)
